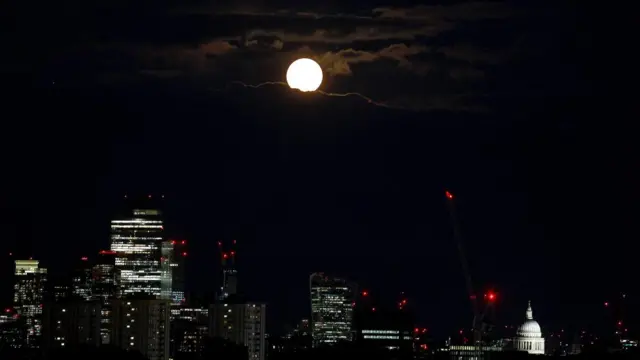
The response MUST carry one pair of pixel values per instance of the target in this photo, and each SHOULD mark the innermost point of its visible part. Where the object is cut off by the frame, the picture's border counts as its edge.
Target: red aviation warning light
(84, 258)
(234, 242)
(233, 253)
(183, 242)
(448, 195)
(224, 256)
(365, 293)
(490, 296)
(173, 242)
(184, 253)
(220, 243)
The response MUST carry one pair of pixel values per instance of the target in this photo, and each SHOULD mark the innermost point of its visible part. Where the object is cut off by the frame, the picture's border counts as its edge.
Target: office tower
(28, 296)
(331, 309)
(82, 280)
(229, 272)
(105, 283)
(180, 254)
(70, 323)
(166, 277)
(142, 325)
(137, 241)
(189, 331)
(241, 323)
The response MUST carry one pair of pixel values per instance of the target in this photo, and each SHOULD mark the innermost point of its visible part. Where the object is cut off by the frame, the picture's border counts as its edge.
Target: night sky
(109, 97)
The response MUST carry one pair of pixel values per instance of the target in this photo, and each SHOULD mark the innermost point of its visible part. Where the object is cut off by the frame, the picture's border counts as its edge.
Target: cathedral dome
(529, 336)
(530, 328)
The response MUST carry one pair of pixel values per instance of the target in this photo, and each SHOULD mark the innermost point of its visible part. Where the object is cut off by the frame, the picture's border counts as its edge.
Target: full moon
(304, 75)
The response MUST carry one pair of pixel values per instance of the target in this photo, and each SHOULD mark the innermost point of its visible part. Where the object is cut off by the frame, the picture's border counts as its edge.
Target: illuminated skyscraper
(137, 242)
(180, 254)
(166, 278)
(331, 309)
(105, 284)
(82, 280)
(28, 296)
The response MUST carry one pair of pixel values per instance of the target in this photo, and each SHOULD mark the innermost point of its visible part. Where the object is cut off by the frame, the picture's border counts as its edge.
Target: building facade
(68, 324)
(189, 331)
(384, 329)
(179, 256)
(142, 325)
(137, 242)
(331, 309)
(105, 285)
(241, 323)
(82, 280)
(28, 296)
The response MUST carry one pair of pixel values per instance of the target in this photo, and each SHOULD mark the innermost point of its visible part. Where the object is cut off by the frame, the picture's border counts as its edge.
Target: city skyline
(385, 296)
(498, 102)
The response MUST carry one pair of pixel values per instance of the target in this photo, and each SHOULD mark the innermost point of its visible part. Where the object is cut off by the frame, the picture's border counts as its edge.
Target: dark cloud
(421, 50)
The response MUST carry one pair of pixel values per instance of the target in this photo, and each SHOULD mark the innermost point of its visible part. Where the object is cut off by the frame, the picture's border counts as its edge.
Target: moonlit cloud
(417, 51)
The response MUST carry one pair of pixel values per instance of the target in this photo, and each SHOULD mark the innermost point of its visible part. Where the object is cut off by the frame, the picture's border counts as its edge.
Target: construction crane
(478, 325)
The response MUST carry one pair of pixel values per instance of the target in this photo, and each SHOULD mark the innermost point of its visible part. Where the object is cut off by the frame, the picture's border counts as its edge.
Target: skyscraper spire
(529, 311)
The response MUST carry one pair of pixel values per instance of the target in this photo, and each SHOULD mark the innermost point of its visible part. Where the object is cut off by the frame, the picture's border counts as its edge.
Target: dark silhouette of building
(219, 348)
(384, 329)
(142, 325)
(71, 323)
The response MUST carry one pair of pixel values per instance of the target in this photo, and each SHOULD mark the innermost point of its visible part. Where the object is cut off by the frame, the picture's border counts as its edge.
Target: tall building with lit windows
(142, 325)
(137, 241)
(331, 309)
(30, 280)
(243, 323)
(166, 278)
(82, 280)
(180, 255)
(105, 285)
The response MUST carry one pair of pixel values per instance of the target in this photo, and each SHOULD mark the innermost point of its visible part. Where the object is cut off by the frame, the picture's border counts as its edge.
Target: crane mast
(478, 316)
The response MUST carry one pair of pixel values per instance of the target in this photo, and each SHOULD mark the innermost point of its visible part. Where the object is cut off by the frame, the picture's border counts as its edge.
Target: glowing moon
(304, 75)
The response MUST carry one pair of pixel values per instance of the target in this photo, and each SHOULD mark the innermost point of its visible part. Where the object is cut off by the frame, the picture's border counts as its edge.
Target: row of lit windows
(136, 221)
(380, 331)
(381, 337)
(136, 237)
